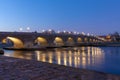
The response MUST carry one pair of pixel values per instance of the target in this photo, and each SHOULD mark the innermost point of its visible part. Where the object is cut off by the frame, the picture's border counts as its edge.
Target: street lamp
(50, 30)
(58, 32)
(83, 33)
(75, 32)
(64, 31)
(43, 30)
(78, 33)
(88, 34)
(28, 28)
(21, 29)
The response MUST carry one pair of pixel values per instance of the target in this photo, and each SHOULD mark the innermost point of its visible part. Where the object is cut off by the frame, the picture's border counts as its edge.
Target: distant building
(115, 37)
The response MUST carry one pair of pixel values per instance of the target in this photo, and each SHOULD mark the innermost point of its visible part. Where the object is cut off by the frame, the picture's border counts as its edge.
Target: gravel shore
(21, 69)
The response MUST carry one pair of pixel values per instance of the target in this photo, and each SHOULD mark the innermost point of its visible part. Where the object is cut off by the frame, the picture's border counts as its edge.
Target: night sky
(89, 16)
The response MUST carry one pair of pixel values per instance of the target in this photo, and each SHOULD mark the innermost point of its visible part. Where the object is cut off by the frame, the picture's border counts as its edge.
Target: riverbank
(21, 69)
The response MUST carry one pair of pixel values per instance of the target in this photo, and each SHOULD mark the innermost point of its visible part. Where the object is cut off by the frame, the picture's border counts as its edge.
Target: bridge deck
(20, 69)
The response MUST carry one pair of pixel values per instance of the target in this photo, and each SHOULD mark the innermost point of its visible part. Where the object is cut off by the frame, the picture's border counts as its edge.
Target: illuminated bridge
(36, 40)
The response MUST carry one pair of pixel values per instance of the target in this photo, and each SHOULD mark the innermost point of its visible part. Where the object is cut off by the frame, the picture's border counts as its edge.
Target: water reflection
(104, 59)
(19, 54)
(80, 57)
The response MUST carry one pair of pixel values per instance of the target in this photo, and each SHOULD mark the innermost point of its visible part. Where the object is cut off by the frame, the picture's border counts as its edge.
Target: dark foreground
(20, 69)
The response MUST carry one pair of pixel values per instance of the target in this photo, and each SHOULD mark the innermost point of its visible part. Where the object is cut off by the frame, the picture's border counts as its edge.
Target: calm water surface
(103, 59)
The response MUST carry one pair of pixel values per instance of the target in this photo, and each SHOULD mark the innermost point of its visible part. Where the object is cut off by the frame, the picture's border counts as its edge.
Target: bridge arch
(4, 40)
(70, 40)
(85, 39)
(94, 40)
(79, 39)
(41, 41)
(17, 43)
(58, 41)
(90, 40)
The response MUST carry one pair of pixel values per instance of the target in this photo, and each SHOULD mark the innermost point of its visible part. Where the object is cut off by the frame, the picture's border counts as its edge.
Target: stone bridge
(33, 39)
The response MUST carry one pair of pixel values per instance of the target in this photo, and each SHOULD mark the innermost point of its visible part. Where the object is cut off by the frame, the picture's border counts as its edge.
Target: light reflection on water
(93, 58)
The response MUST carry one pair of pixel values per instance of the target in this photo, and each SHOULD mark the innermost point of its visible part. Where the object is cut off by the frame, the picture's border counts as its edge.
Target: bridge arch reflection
(80, 57)
(84, 56)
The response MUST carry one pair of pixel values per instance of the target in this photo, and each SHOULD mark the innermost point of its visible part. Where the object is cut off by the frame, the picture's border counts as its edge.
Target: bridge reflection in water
(80, 57)
(77, 57)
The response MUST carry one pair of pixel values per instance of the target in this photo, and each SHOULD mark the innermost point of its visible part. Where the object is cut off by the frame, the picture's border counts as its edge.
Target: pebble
(21, 69)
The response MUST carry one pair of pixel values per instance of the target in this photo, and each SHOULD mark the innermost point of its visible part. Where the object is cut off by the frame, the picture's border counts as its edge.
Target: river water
(103, 59)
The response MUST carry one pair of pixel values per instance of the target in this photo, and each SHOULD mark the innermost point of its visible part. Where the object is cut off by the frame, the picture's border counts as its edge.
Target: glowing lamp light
(50, 30)
(64, 31)
(83, 33)
(43, 30)
(21, 29)
(28, 28)
(78, 33)
(88, 34)
(69, 32)
(58, 31)
(75, 32)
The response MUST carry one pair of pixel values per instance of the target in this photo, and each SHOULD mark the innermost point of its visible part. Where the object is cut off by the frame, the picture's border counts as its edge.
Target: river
(103, 59)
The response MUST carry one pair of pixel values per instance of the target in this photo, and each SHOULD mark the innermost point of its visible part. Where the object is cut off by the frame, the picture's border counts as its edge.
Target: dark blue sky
(89, 16)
